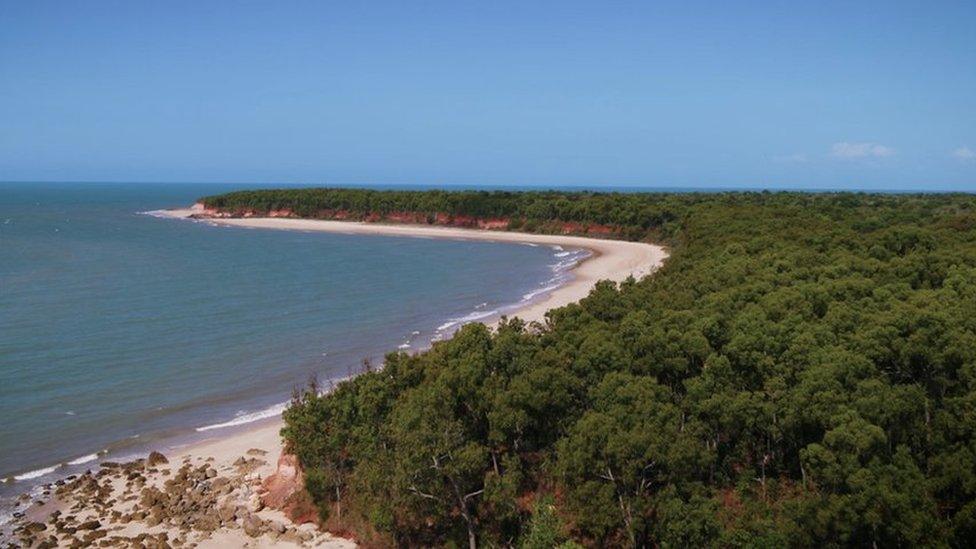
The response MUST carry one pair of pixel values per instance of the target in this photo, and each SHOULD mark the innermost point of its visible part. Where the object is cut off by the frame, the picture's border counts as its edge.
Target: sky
(809, 95)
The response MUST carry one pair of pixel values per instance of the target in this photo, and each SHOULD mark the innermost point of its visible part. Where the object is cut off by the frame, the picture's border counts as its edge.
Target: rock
(207, 523)
(253, 526)
(227, 513)
(247, 465)
(286, 480)
(219, 483)
(254, 503)
(256, 452)
(90, 525)
(93, 535)
(291, 536)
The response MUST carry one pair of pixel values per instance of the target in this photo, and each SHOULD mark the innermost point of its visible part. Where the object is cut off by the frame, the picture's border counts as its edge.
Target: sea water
(120, 329)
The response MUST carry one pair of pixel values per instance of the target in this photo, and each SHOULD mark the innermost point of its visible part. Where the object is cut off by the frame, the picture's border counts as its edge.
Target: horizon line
(603, 187)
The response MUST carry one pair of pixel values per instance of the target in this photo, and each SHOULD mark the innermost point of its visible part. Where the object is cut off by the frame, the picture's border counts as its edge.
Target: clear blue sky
(872, 95)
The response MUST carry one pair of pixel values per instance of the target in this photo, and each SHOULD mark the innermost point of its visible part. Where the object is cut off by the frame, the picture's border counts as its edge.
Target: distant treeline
(801, 372)
(633, 216)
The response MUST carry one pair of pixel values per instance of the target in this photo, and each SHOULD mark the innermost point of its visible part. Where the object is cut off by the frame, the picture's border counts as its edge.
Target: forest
(801, 372)
(632, 216)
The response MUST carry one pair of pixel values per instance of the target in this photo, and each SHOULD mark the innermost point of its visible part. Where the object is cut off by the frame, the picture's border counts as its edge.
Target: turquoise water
(119, 329)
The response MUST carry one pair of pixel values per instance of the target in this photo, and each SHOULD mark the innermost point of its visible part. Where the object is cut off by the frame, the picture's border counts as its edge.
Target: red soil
(421, 218)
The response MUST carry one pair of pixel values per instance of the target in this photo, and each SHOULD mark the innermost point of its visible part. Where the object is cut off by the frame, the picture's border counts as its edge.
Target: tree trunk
(463, 505)
(338, 504)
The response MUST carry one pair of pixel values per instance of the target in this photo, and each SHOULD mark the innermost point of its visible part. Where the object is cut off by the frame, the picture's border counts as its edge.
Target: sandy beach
(247, 456)
(610, 260)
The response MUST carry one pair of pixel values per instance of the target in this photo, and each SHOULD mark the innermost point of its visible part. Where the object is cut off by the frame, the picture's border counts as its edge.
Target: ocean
(120, 330)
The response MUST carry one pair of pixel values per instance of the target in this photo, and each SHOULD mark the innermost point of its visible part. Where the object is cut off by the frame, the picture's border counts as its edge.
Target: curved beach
(614, 260)
(608, 260)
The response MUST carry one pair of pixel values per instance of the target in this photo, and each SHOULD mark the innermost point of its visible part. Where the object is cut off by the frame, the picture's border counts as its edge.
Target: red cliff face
(493, 224)
(218, 213)
(285, 490)
(415, 218)
(338, 215)
(586, 229)
(421, 218)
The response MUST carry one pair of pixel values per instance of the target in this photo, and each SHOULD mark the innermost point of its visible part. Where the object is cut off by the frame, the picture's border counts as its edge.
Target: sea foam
(83, 459)
(37, 473)
(245, 418)
(540, 291)
(470, 317)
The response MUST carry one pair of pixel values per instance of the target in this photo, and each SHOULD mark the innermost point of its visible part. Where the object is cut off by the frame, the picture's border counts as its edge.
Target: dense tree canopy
(801, 372)
(634, 216)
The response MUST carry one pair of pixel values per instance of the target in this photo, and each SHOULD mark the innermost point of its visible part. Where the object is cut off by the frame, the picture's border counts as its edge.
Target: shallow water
(119, 326)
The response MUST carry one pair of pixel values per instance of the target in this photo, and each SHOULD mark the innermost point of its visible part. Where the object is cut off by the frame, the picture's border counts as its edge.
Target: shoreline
(613, 260)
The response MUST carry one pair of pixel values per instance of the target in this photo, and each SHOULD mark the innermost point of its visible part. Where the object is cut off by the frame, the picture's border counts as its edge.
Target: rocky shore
(152, 503)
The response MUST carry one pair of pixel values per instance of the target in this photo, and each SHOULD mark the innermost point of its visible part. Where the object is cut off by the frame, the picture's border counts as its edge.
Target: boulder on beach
(156, 458)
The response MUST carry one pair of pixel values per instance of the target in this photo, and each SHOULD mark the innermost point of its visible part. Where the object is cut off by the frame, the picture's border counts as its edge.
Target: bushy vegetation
(801, 372)
(635, 216)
